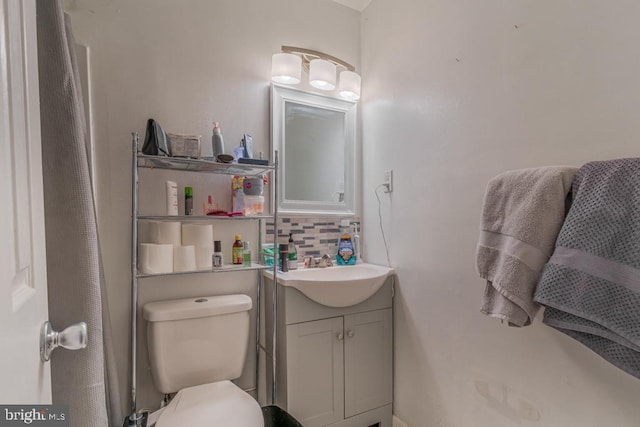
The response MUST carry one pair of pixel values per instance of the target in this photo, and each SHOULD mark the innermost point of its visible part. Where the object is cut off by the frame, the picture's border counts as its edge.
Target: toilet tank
(196, 341)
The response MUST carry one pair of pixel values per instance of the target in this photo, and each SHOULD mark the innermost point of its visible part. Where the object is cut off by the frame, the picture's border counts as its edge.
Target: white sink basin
(339, 286)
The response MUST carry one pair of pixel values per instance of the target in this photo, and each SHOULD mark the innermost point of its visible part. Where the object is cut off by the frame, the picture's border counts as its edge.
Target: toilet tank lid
(192, 308)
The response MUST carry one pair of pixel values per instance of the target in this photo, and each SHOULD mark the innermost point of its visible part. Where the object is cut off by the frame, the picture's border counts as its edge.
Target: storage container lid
(193, 308)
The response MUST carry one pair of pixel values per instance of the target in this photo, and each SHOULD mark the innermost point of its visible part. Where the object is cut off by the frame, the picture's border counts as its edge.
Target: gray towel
(522, 215)
(591, 285)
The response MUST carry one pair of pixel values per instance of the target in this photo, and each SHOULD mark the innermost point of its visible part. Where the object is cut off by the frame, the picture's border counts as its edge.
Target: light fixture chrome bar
(308, 54)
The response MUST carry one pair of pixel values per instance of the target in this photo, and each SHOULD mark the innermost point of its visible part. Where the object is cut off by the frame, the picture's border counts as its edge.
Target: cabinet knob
(350, 334)
(340, 336)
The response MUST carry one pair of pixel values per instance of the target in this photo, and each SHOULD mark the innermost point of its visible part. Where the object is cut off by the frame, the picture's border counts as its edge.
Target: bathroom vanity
(334, 365)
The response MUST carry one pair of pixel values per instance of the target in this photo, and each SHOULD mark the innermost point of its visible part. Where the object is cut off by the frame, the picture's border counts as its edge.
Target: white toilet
(196, 345)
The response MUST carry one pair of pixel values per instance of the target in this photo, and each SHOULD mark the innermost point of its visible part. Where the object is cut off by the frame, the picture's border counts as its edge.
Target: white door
(368, 361)
(23, 281)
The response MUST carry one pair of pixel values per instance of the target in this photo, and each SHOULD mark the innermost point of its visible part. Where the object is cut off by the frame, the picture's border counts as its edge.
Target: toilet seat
(210, 405)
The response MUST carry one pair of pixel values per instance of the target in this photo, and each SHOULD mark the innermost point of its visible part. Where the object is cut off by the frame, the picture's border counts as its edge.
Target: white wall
(185, 63)
(454, 93)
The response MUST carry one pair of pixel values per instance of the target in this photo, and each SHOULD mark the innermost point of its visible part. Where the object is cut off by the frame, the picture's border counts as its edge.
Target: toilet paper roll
(197, 234)
(154, 258)
(167, 233)
(204, 260)
(184, 258)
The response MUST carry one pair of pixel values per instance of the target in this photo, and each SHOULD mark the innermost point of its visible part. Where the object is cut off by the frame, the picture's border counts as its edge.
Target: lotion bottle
(217, 141)
(172, 198)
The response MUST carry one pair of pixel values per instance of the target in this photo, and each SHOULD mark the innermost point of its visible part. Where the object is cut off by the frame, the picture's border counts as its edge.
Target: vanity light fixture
(286, 67)
(349, 85)
(322, 74)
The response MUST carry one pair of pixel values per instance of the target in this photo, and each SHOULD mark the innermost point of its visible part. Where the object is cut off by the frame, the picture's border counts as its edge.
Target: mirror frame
(280, 95)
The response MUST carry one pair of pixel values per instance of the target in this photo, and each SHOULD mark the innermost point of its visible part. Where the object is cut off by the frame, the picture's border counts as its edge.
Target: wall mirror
(316, 141)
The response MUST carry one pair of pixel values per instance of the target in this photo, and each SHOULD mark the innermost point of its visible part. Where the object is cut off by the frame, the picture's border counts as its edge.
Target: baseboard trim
(397, 422)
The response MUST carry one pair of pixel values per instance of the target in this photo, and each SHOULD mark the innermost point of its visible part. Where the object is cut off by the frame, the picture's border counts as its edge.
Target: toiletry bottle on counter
(284, 257)
(355, 236)
(216, 140)
(188, 200)
(293, 253)
(218, 258)
(237, 250)
(246, 254)
(172, 198)
(345, 255)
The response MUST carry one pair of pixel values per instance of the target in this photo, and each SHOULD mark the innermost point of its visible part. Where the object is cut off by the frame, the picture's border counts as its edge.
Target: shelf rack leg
(258, 322)
(134, 419)
(275, 280)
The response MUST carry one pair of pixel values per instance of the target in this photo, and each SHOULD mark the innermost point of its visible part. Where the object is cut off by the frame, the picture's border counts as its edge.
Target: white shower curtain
(85, 380)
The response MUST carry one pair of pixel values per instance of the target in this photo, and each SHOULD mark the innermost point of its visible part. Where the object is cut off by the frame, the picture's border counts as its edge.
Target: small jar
(218, 258)
(253, 205)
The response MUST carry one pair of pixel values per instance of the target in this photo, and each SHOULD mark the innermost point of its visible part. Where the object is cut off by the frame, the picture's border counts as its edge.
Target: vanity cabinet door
(315, 371)
(368, 354)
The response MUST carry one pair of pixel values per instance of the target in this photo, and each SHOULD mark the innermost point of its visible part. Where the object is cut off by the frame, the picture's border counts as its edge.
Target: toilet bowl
(216, 404)
(196, 346)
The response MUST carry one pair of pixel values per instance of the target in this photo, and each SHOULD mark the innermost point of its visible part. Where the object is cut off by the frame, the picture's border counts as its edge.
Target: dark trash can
(276, 417)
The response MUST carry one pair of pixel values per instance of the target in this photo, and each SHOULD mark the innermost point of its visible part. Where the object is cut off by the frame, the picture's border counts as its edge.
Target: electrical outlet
(388, 181)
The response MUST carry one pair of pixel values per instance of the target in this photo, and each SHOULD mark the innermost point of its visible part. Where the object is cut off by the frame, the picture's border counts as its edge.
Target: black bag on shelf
(155, 140)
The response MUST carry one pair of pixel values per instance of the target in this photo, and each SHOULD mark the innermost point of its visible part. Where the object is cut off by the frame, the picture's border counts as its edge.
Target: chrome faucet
(325, 261)
(311, 262)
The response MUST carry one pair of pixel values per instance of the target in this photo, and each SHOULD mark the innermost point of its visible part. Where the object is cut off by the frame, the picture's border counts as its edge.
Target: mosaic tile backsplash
(312, 236)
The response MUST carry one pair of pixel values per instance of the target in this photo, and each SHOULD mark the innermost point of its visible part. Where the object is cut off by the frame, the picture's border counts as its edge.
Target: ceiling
(358, 5)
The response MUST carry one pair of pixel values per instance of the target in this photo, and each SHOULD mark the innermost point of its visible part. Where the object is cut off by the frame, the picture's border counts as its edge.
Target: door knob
(72, 338)
(350, 334)
(340, 336)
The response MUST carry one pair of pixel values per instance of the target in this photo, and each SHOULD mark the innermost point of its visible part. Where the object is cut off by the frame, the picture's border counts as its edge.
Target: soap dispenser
(345, 255)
